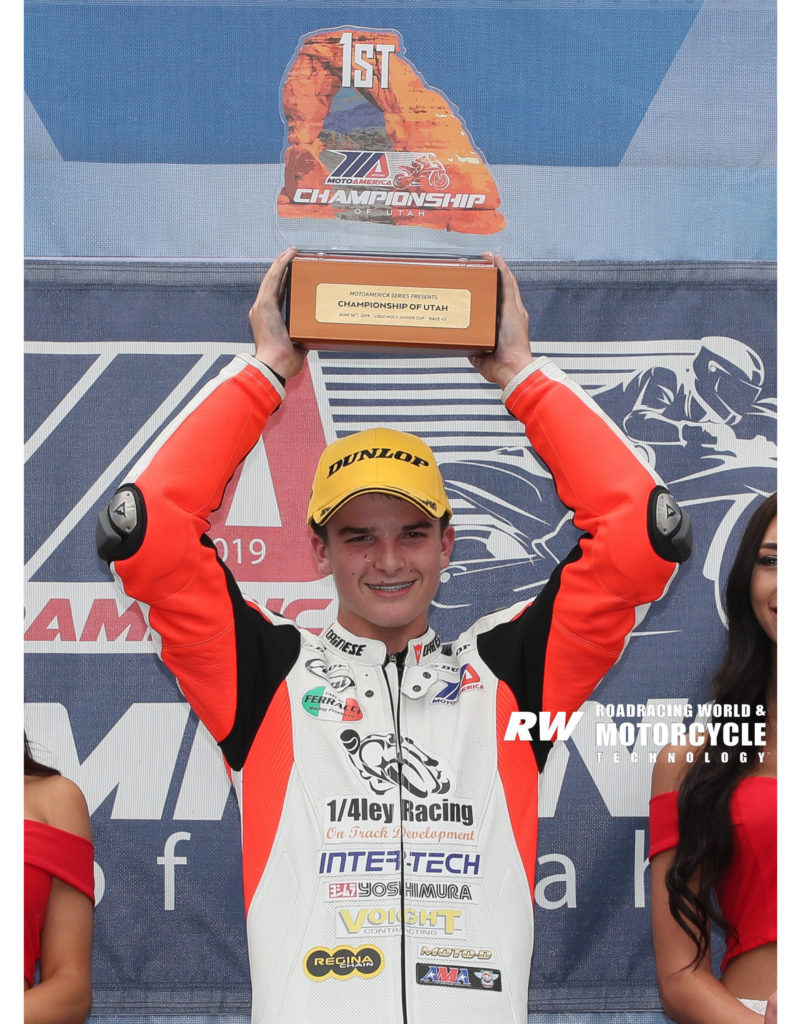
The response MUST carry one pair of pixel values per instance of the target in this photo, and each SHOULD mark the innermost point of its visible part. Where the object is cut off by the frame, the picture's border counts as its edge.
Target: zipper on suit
(395, 705)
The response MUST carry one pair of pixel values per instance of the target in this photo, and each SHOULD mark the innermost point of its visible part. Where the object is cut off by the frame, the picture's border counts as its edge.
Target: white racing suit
(388, 829)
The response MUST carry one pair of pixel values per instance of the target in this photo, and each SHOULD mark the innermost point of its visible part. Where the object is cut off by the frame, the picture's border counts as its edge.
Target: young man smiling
(388, 829)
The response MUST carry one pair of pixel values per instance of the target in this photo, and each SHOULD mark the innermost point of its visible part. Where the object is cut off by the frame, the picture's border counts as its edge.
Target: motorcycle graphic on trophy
(424, 168)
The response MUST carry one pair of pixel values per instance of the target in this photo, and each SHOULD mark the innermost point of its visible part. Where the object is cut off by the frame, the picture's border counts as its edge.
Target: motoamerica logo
(376, 758)
(360, 168)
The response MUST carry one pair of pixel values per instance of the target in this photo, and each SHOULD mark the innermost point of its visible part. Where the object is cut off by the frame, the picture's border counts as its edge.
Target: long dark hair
(705, 843)
(34, 767)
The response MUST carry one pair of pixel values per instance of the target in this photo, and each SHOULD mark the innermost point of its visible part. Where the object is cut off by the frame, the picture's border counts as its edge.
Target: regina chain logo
(321, 963)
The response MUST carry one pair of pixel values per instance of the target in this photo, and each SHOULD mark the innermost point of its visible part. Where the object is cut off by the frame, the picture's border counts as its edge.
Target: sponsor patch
(468, 679)
(330, 707)
(388, 860)
(432, 952)
(336, 677)
(343, 962)
(350, 819)
(457, 977)
(423, 650)
(375, 758)
(335, 892)
(488, 979)
(423, 921)
(346, 646)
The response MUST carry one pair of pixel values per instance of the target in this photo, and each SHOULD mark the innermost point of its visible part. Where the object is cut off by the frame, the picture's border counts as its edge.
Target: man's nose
(388, 556)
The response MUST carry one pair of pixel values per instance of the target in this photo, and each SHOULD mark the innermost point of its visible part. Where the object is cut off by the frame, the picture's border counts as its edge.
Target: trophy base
(372, 302)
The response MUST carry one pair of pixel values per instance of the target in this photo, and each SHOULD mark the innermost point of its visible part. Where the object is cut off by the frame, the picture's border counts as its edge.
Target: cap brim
(433, 509)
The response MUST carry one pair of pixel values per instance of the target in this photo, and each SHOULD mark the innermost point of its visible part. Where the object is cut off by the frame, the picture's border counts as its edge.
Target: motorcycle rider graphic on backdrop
(388, 827)
(703, 409)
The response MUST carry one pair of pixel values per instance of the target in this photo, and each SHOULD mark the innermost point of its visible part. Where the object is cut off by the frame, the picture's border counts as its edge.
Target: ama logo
(457, 977)
(436, 974)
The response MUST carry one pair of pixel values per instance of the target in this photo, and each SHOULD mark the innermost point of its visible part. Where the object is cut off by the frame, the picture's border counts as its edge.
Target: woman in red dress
(713, 818)
(59, 897)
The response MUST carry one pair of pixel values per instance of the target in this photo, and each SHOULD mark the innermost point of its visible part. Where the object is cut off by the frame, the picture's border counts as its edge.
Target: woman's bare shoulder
(57, 801)
(670, 768)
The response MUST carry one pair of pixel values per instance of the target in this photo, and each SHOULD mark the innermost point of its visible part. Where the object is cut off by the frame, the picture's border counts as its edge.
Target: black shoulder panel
(264, 655)
(515, 651)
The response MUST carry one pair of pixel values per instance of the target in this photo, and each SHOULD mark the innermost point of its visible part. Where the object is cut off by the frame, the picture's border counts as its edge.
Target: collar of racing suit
(418, 661)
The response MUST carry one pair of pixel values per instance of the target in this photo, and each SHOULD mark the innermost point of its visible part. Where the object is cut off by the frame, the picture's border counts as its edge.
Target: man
(388, 829)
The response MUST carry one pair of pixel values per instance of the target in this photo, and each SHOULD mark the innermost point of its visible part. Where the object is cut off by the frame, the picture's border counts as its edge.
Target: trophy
(378, 167)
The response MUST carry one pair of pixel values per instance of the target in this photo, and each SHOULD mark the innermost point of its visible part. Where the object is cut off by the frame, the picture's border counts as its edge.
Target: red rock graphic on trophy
(368, 140)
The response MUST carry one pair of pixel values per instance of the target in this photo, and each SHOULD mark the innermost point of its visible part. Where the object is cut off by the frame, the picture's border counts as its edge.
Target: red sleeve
(62, 854)
(663, 822)
(51, 853)
(603, 592)
(175, 571)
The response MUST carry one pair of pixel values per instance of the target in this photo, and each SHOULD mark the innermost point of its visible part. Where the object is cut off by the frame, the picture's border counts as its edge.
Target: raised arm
(154, 530)
(634, 531)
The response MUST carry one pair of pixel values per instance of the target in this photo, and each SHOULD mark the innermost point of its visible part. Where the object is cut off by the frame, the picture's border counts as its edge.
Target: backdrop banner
(681, 357)
(621, 155)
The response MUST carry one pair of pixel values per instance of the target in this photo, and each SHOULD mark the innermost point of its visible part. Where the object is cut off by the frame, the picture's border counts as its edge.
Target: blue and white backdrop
(633, 147)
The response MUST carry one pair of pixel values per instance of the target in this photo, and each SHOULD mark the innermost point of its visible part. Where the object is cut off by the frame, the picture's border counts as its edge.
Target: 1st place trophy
(378, 168)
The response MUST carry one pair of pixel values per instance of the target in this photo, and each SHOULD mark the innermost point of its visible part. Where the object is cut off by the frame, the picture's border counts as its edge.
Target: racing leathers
(388, 828)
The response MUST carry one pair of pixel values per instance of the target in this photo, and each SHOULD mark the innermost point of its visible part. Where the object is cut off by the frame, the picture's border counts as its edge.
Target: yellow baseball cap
(383, 460)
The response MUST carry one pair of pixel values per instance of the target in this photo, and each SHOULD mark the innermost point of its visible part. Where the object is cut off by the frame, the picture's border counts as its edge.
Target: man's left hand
(513, 350)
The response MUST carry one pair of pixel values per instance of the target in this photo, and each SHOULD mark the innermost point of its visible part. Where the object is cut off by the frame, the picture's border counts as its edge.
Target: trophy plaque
(371, 301)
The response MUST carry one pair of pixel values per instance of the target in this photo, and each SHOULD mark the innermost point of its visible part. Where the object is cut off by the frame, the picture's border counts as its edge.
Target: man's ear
(320, 552)
(446, 548)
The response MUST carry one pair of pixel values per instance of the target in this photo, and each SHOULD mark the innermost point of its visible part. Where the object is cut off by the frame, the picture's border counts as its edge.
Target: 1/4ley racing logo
(343, 962)
(375, 757)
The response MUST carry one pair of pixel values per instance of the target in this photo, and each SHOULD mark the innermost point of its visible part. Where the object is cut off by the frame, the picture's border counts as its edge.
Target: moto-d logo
(343, 962)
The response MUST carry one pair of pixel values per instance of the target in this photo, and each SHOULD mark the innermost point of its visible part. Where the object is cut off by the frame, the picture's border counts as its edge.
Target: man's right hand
(273, 345)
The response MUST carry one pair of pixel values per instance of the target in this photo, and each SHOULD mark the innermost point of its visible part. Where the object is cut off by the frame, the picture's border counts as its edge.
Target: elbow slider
(121, 525)
(669, 528)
